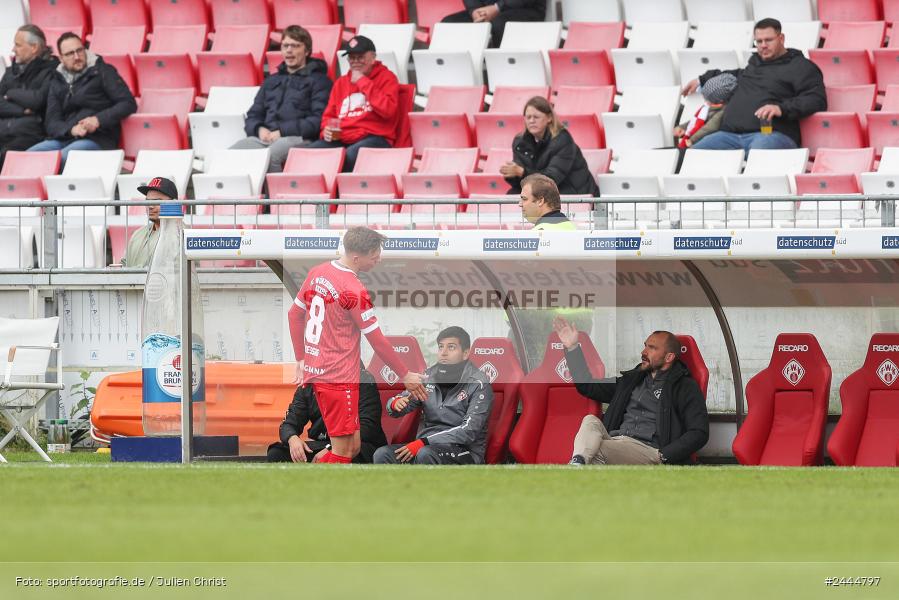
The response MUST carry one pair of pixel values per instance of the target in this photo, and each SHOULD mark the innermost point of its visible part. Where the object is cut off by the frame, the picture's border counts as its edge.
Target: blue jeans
(725, 140)
(49, 145)
(369, 141)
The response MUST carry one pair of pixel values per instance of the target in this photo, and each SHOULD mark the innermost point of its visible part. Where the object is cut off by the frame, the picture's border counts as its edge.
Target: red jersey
(338, 308)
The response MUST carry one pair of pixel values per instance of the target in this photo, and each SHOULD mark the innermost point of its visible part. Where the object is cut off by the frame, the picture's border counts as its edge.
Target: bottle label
(162, 369)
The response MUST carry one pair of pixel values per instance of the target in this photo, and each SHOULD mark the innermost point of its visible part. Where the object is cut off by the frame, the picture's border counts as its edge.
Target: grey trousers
(597, 447)
(432, 454)
(277, 151)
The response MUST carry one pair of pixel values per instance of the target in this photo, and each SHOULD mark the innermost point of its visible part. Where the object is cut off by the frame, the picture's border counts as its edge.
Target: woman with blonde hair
(546, 147)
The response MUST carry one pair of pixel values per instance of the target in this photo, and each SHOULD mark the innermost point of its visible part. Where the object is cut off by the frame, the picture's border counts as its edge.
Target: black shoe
(578, 460)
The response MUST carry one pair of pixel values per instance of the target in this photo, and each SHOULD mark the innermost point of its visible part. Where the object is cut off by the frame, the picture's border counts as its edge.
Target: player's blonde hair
(362, 240)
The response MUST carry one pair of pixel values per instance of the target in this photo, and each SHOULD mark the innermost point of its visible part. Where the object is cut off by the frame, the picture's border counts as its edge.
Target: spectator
(498, 13)
(453, 428)
(287, 111)
(87, 101)
(546, 147)
(23, 91)
(363, 109)
(777, 88)
(707, 118)
(656, 412)
(541, 204)
(304, 409)
(142, 243)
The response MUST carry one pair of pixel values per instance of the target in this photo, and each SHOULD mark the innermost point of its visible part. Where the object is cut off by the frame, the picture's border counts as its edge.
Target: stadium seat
(456, 98)
(178, 39)
(118, 13)
(844, 67)
(643, 68)
(867, 434)
(851, 98)
(586, 129)
(17, 247)
(394, 44)
(231, 69)
(430, 12)
(23, 172)
(325, 43)
(304, 12)
(890, 102)
(12, 16)
(707, 11)
(176, 165)
(511, 99)
(151, 132)
(167, 13)
(497, 359)
(87, 175)
(551, 407)
(849, 10)
(237, 174)
(497, 130)
(886, 179)
(489, 183)
(357, 12)
(222, 123)
(439, 175)
(802, 35)
(693, 62)
(785, 12)
(787, 406)
(644, 120)
(377, 174)
(239, 12)
(598, 159)
(585, 58)
(855, 35)
(724, 36)
(883, 130)
(769, 173)
(637, 173)
(124, 66)
(62, 15)
(596, 11)
(652, 11)
(702, 173)
(454, 57)
(308, 173)
(522, 58)
(440, 130)
(692, 358)
(584, 35)
(891, 13)
(583, 99)
(177, 102)
(241, 39)
(402, 430)
(647, 35)
(831, 130)
(119, 40)
(836, 171)
(164, 71)
(886, 67)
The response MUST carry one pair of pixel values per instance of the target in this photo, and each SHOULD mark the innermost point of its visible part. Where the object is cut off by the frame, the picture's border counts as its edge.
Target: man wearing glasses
(363, 108)
(86, 103)
(777, 88)
(288, 108)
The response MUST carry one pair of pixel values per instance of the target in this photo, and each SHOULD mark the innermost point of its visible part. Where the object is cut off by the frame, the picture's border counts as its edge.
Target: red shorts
(339, 405)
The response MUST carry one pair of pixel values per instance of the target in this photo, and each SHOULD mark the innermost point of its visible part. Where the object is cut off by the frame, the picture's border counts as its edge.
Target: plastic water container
(161, 330)
(58, 437)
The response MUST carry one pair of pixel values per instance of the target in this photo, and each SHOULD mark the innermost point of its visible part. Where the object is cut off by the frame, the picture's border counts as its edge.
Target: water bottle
(161, 330)
(58, 438)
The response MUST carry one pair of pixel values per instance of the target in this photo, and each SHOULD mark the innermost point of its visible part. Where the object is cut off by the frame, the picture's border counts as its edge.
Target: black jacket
(539, 5)
(683, 422)
(559, 158)
(792, 82)
(292, 103)
(26, 87)
(99, 91)
(304, 409)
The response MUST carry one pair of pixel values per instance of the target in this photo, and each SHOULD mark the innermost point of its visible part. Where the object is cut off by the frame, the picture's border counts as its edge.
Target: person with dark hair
(287, 110)
(546, 147)
(498, 13)
(541, 204)
(87, 101)
(656, 413)
(455, 415)
(773, 92)
(304, 410)
(23, 91)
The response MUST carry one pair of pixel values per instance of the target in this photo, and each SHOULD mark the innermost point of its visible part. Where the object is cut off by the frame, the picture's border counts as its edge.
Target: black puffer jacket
(26, 87)
(792, 82)
(98, 92)
(292, 103)
(683, 421)
(559, 158)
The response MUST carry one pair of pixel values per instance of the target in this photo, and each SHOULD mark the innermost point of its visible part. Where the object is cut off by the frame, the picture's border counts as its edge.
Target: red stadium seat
(308, 173)
(357, 12)
(377, 174)
(304, 13)
(497, 359)
(843, 67)
(848, 10)
(402, 430)
(585, 129)
(489, 182)
(851, 98)
(429, 12)
(178, 12)
(125, 68)
(61, 15)
(178, 39)
(512, 99)
(836, 171)
(440, 175)
(584, 35)
(326, 42)
(151, 132)
(440, 130)
(239, 12)
(119, 40)
(468, 99)
(164, 71)
(867, 434)
(406, 104)
(54, 33)
(891, 13)
(227, 69)
(855, 35)
(598, 159)
(23, 172)
(883, 130)
(886, 67)
(242, 38)
(585, 58)
(831, 130)
(891, 99)
(551, 407)
(497, 130)
(118, 13)
(569, 99)
(787, 405)
(177, 102)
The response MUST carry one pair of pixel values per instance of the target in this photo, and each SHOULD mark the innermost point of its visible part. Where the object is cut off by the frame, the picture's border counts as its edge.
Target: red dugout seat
(402, 430)
(585, 58)
(867, 434)
(125, 68)
(497, 359)
(151, 132)
(23, 172)
(489, 182)
(692, 357)
(551, 407)
(440, 130)
(836, 171)
(787, 405)
(468, 99)
(119, 40)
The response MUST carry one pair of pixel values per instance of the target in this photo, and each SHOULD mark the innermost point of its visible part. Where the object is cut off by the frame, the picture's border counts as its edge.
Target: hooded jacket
(559, 158)
(291, 103)
(97, 91)
(368, 107)
(682, 424)
(26, 87)
(792, 82)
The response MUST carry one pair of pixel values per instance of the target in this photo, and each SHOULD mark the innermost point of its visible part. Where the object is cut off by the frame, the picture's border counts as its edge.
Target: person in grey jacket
(453, 428)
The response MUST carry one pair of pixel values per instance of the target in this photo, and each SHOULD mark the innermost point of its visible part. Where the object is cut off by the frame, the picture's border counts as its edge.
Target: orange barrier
(246, 400)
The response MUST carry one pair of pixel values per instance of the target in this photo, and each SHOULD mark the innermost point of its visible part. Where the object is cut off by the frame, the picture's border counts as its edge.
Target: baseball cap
(162, 185)
(358, 44)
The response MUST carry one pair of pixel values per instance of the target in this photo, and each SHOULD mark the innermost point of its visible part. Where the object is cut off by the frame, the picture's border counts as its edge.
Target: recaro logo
(792, 348)
(557, 346)
(401, 349)
(489, 351)
(885, 348)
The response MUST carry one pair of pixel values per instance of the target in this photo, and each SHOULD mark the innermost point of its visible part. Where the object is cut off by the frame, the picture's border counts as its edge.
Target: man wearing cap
(142, 244)
(362, 111)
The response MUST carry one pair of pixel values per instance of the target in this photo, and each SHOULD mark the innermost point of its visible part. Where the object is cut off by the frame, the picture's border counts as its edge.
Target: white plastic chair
(596, 11)
(884, 181)
(638, 11)
(701, 174)
(658, 36)
(645, 119)
(785, 11)
(802, 35)
(88, 175)
(25, 345)
(644, 67)
(16, 247)
(735, 35)
(176, 165)
(222, 123)
(394, 43)
(454, 57)
(637, 173)
(232, 174)
(769, 173)
(696, 61)
(523, 56)
(699, 11)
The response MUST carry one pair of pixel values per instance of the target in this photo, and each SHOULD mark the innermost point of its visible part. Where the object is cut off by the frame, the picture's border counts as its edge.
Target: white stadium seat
(594, 11)
(394, 43)
(222, 123)
(636, 173)
(658, 36)
(232, 174)
(701, 174)
(522, 58)
(645, 119)
(802, 35)
(454, 57)
(737, 35)
(699, 11)
(639, 11)
(785, 11)
(176, 165)
(768, 173)
(694, 62)
(644, 67)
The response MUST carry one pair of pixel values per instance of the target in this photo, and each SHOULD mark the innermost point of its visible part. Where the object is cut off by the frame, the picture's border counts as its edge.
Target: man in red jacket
(362, 109)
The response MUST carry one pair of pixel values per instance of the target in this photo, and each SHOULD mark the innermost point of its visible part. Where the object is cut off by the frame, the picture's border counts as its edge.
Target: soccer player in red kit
(326, 319)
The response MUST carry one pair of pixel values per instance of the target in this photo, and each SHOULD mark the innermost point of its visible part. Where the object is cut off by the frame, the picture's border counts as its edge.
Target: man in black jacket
(87, 101)
(288, 108)
(656, 411)
(23, 91)
(498, 13)
(777, 88)
(304, 409)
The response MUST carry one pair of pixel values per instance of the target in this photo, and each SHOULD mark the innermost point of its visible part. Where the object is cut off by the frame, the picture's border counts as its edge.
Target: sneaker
(578, 460)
